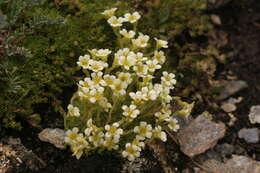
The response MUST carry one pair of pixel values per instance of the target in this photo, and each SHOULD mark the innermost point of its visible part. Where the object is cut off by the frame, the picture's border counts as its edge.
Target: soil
(242, 24)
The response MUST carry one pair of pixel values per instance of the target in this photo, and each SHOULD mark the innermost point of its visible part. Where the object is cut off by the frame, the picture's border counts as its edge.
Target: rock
(212, 165)
(6, 164)
(232, 100)
(17, 153)
(215, 19)
(254, 115)
(228, 107)
(249, 135)
(225, 149)
(54, 136)
(232, 88)
(237, 164)
(242, 164)
(200, 135)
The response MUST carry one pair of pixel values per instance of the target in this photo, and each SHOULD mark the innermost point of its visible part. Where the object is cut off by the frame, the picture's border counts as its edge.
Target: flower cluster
(118, 98)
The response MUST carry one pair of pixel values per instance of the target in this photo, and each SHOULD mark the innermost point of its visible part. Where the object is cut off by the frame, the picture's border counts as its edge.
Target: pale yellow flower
(143, 131)
(141, 41)
(127, 34)
(113, 131)
(161, 43)
(110, 12)
(101, 53)
(87, 83)
(141, 69)
(158, 133)
(71, 135)
(73, 111)
(109, 80)
(96, 94)
(132, 18)
(116, 22)
(173, 124)
(125, 77)
(153, 65)
(159, 56)
(168, 79)
(127, 61)
(131, 111)
(119, 87)
(84, 61)
(97, 79)
(131, 151)
(97, 139)
(79, 146)
(111, 143)
(98, 65)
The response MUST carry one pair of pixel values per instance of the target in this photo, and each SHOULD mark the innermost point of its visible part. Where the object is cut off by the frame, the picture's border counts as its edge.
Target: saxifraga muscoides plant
(120, 105)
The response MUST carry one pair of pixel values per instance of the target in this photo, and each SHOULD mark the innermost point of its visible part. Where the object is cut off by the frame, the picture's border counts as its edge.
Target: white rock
(216, 19)
(55, 136)
(254, 115)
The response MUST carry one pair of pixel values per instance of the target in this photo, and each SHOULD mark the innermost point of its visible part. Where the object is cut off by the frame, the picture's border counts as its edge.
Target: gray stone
(237, 164)
(249, 135)
(200, 135)
(234, 101)
(210, 161)
(254, 115)
(54, 136)
(225, 149)
(242, 164)
(232, 88)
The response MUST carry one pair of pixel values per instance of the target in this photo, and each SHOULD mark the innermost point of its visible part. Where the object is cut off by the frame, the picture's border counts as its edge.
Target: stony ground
(226, 141)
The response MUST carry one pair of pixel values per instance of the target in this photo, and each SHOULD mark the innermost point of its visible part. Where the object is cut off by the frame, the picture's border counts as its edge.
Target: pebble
(54, 136)
(254, 115)
(249, 135)
(200, 135)
(231, 88)
(225, 149)
(215, 19)
(228, 107)
(242, 164)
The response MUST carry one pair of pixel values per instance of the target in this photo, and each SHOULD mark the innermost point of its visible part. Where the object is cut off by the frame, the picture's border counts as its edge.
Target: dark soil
(242, 23)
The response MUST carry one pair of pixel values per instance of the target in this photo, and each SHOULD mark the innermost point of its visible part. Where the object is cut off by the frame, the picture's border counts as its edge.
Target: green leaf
(3, 21)
(164, 15)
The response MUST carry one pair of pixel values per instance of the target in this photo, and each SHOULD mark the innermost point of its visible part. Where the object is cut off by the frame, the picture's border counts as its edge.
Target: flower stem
(112, 109)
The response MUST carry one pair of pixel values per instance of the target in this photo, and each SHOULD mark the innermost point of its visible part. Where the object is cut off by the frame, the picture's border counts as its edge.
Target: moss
(55, 34)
